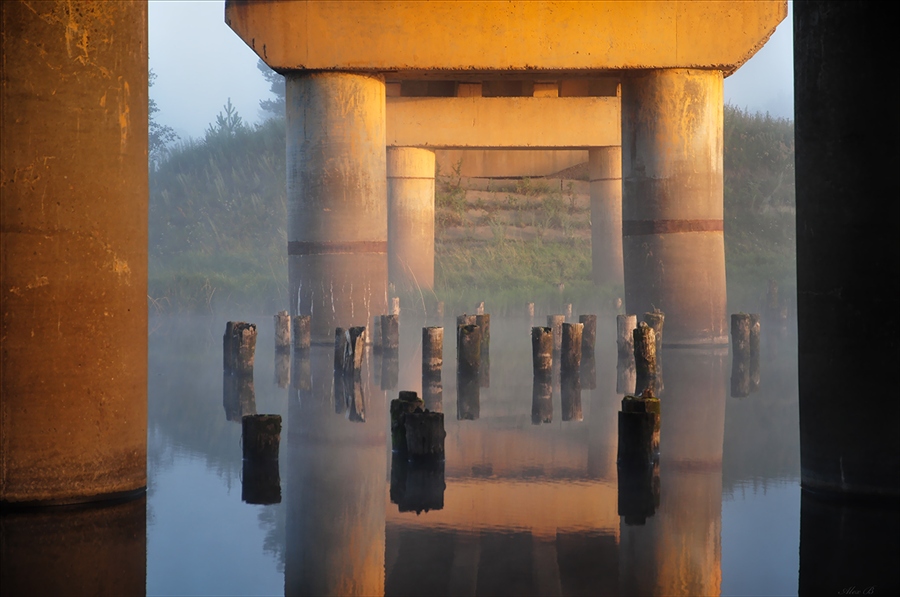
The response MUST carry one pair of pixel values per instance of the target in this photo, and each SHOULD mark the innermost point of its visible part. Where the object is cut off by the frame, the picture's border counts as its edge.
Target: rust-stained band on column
(299, 247)
(639, 227)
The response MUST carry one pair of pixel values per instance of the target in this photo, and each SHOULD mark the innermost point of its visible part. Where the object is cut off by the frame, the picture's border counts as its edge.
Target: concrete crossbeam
(503, 122)
(534, 36)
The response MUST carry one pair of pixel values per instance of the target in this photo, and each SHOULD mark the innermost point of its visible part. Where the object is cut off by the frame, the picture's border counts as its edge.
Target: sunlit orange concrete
(529, 36)
(507, 163)
(73, 226)
(337, 199)
(410, 190)
(492, 122)
(672, 211)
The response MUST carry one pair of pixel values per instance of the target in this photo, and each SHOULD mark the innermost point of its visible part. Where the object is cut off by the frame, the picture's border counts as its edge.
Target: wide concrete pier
(337, 198)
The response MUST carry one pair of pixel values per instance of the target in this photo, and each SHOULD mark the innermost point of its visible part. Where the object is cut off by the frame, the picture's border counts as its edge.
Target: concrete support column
(848, 262)
(606, 215)
(337, 199)
(73, 251)
(410, 190)
(673, 245)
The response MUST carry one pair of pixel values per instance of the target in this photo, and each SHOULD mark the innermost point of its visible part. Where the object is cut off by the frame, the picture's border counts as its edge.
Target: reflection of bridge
(74, 208)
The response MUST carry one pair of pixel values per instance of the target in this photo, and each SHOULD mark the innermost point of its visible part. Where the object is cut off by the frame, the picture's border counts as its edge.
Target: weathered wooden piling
(375, 336)
(588, 371)
(406, 402)
(282, 331)
(542, 399)
(646, 403)
(300, 333)
(260, 482)
(568, 310)
(588, 334)
(468, 350)
(625, 326)
(483, 321)
(339, 395)
(656, 319)
(395, 306)
(570, 396)
(740, 349)
(754, 352)
(424, 435)
(340, 346)
(390, 332)
(529, 311)
(432, 350)
(644, 358)
(479, 308)
(542, 350)
(570, 353)
(354, 350)
(239, 347)
(555, 322)
(433, 392)
(261, 436)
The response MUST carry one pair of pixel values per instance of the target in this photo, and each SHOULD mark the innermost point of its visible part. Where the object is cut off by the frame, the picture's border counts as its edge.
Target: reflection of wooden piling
(239, 347)
(542, 350)
(417, 486)
(375, 336)
(390, 369)
(340, 345)
(638, 493)
(625, 376)
(588, 334)
(655, 319)
(588, 370)
(570, 396)
(283, 368)
(468, 398)
(301, 371)
(644, 358)
(542, 399)
(260, 482)
(300, 334)
(483, 321)
(406, 402)
(625, 325)
(354, 399)
(754, 352)
(740, 348)
(554, 322)
(261, 435)
(282, 331)
(570, 353)
(238, 396)
(432, 350)
(424, 435)
(390, 332)
(644, 404)
(636, 438)
(354, 350)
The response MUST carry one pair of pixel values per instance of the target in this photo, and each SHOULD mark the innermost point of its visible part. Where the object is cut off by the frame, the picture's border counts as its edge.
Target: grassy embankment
(218, 228)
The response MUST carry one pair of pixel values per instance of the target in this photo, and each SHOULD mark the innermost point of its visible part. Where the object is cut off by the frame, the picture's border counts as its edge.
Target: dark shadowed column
(337, 198)
(73, 224)
(673, 244)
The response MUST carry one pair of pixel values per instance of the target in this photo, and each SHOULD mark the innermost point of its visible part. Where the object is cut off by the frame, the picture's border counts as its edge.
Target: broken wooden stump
(625, 325)
(542, 350)
(644, 358)
(554, 322)
(300, 332)
(406, 402)
(424, 435)
(239, 347)
(282, 332)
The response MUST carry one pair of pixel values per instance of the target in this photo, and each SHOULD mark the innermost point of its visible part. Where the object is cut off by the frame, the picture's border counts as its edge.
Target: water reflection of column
(605, 402)
(335, 491)
(90, 551)
(678, 550)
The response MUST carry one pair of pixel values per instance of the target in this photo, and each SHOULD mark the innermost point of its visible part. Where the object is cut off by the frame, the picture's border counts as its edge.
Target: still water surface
(517, 508)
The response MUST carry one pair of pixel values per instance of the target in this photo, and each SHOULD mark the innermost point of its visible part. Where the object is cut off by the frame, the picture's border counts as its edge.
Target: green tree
(228, 124)
(160, 135)
(272, 108)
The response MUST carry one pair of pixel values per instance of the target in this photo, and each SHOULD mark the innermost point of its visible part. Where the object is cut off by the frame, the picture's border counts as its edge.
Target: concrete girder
(497, 122)
(541, 38)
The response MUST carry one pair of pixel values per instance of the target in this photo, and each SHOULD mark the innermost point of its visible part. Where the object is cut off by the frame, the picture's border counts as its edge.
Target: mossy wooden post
(644, 358)
(390, 333)
(354, 351)
(282, 331)
(340, 346)
(542, 398)
(625, 325)
(740, 348)
(424, 435)
(656, 319)
(542, 350)
(375, 337)
(570, 354)
(483, 321)
(754, 352)
(406, 402)
(260, 437)
(588, 334)
(555, 322)
(300, 333)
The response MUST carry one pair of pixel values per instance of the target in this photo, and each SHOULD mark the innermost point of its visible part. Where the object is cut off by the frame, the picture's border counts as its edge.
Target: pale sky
(200, 63)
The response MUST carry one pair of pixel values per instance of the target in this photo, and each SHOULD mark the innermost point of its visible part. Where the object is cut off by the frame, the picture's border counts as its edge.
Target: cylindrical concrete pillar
(73, 229)
(337, 198)
(410, 192)
(673, 244)
(606, 215)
